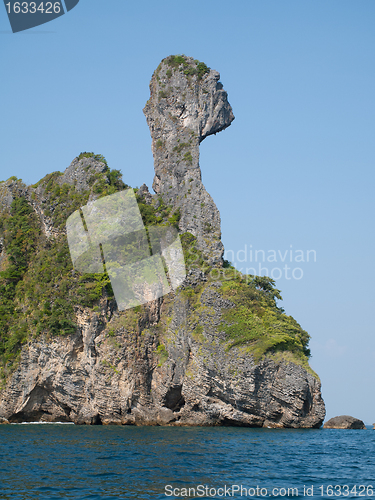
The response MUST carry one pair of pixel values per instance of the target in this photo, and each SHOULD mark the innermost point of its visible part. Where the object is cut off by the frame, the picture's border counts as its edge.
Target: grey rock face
(6, 196)
(184, 108)
(145, 194)
(125, 378)
(344, 422)
(77, 172)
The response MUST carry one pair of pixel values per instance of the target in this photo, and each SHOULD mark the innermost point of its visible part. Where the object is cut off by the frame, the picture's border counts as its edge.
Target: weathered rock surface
(98, 377)
(77, 172)
(35, 196)
(344, 422)
(6, 196)
(184, 108)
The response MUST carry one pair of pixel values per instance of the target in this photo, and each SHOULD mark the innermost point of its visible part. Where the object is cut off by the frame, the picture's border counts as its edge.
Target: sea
(55, 461)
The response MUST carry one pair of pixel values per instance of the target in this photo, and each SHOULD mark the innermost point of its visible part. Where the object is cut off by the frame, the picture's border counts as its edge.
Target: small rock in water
(344, 422)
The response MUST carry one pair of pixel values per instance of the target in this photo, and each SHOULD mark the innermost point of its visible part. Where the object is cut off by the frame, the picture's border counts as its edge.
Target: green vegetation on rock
(257, 322)
(252, 320)
(182, 63)
(162, 354)
(38, 287)
(40, 292)
(92, 155)
(20, 232)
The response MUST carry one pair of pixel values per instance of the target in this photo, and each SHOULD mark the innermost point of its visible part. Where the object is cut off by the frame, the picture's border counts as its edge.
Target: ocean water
(109, 462)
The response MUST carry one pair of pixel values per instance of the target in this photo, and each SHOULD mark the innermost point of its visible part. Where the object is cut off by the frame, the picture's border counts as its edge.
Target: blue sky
(296, 167)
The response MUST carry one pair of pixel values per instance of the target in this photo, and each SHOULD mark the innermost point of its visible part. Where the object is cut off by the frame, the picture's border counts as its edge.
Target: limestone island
(218, 350)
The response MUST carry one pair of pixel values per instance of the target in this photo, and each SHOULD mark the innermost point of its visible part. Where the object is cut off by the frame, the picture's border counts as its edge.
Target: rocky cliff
(217, 351)
(187, 104)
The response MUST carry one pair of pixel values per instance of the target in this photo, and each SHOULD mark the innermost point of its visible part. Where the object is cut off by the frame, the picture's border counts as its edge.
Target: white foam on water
(40, 423)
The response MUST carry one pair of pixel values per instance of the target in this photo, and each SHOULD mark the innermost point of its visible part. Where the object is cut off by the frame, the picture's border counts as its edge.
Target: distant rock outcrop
(344, 422)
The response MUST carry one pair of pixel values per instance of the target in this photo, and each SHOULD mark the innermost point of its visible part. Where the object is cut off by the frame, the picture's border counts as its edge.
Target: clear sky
(294, 171)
